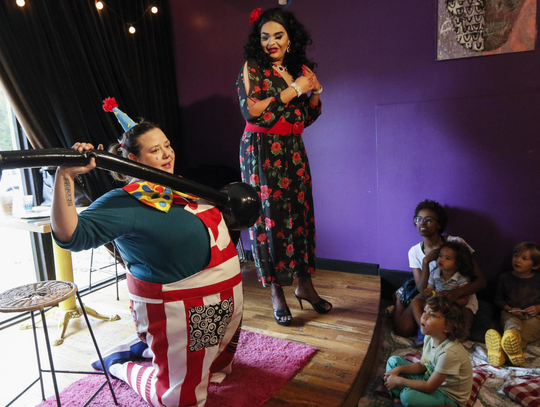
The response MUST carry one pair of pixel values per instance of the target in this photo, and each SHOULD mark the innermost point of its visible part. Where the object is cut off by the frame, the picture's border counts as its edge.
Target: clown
(183, 277)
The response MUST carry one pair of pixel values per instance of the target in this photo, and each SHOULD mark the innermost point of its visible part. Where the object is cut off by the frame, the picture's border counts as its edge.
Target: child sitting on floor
(454, 269)
(518, 297)
(444, 375)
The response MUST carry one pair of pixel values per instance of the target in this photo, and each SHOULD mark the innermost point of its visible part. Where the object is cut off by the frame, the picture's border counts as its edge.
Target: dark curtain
(59, 59)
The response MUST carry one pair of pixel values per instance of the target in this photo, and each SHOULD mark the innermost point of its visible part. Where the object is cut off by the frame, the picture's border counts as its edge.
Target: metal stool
(37, 296)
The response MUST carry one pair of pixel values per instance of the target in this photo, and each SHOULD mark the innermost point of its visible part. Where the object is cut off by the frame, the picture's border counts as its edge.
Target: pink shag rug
(262, 365)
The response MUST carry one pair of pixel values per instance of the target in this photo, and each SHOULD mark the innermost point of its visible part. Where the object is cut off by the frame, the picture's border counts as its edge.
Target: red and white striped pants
(192, 328)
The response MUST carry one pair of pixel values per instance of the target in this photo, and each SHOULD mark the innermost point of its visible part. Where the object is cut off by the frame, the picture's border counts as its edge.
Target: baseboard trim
(354, 267)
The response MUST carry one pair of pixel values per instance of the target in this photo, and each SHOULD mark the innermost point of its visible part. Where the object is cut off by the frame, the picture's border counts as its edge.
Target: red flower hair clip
(254, 16)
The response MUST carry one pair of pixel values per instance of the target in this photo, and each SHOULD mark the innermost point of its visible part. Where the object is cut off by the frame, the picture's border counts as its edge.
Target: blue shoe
(419, 342)
(119, 354)
(138, 349)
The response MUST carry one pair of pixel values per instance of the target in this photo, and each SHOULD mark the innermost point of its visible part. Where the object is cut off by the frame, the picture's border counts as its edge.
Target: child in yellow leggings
(518, 297)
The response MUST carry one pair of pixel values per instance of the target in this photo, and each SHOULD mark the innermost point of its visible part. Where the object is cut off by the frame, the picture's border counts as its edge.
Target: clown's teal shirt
(158, 247)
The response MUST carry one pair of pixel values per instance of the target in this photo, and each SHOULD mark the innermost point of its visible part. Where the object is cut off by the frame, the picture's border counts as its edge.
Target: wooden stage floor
(335, 376)
(340, 369)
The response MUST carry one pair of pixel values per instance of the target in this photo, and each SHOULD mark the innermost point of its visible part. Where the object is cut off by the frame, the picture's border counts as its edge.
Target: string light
(20, 3)
(100, 5)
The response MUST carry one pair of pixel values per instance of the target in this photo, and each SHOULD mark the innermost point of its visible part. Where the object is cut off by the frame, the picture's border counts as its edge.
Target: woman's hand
(305, 84)
(308, 73)
(80, 147)
(452, 295)
(432, 256)
(428, 292)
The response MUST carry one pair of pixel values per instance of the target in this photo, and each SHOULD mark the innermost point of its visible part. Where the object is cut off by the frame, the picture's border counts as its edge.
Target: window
(16, 255)
(26, 257)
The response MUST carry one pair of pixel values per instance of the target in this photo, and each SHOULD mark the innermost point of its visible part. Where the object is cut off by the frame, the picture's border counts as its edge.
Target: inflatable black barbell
(239, 202)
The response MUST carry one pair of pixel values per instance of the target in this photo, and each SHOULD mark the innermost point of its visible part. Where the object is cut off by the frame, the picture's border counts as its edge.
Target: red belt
(280, 128)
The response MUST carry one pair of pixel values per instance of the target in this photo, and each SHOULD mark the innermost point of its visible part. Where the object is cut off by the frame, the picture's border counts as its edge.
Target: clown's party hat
(110, 105)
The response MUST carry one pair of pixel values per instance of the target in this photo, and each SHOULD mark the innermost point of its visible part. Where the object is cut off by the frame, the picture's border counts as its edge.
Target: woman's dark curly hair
(129, 143)
(464, 262)
(453, 315)
(437, 208)
(298, 35)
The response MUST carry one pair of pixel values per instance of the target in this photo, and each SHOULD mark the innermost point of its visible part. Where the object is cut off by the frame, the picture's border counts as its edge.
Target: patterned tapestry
(472, 28)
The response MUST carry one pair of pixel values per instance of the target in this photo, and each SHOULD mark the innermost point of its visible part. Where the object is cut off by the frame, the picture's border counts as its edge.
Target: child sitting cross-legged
(518, 297)
(443, 377)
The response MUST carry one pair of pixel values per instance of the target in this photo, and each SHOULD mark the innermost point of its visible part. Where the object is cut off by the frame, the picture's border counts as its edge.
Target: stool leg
(40, 370)
(116, 272)
(37, 355)
(96, 346)
(49, 351)
(90, 270)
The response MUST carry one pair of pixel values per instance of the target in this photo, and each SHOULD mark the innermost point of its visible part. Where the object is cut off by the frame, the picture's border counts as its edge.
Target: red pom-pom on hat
(109, 104)
(254, 16)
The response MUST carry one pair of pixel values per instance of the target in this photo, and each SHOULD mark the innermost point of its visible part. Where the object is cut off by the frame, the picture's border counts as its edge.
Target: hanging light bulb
(154, 10)
(99, 5)
(132, 29)
(20, 3)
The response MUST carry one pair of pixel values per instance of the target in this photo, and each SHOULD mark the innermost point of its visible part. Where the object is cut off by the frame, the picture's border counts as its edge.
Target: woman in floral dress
(273, 87)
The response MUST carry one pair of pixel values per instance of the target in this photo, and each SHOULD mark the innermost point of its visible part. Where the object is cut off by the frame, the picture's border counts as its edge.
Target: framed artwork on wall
(473, 28)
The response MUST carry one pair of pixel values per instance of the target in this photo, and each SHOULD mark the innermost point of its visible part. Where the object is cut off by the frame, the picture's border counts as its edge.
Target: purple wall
(397, 125)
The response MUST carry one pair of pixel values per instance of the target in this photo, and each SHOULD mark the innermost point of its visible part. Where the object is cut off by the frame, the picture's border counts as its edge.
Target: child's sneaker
(496, 355)
(511, 344)
(419, 342)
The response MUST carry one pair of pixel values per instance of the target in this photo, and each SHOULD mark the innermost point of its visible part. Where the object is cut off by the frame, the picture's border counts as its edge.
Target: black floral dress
(276, 165)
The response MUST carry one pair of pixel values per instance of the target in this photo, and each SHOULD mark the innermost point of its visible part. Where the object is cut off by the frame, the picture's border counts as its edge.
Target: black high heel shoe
(319, 306)
(279, 313)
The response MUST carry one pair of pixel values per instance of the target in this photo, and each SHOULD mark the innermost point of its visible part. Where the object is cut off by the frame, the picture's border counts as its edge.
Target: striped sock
(138, 377)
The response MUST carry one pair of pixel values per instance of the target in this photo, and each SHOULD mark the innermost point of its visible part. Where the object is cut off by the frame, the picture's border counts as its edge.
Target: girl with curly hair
(444, 374)
(279, 97)
(430, 220)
